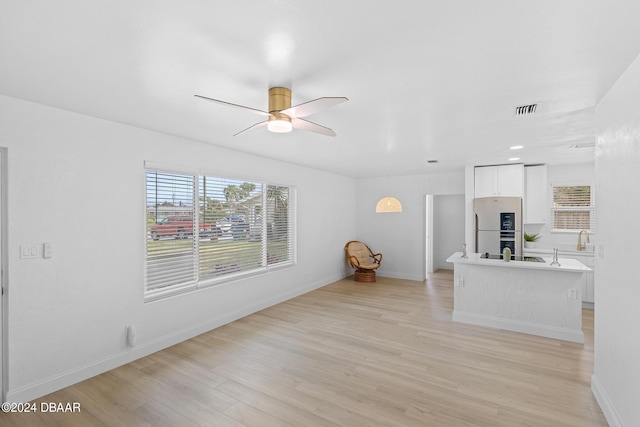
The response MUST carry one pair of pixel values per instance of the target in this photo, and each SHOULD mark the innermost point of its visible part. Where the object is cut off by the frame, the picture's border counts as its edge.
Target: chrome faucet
(583, 246)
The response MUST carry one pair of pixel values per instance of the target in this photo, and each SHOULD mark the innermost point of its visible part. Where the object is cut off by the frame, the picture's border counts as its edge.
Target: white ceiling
(425, 79)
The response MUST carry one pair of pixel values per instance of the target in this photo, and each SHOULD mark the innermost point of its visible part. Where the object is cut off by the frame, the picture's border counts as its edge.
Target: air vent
(526, 110)
(432, 161)
(585, 145)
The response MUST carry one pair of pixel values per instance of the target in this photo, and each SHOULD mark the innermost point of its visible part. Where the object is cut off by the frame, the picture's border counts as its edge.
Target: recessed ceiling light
(517, 147)
(513, 159)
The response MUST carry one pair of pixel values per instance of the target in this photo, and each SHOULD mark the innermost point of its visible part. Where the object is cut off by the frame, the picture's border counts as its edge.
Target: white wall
(400, 237)
(78, 182)
(616, 380)
(578, 174)
(448, 228)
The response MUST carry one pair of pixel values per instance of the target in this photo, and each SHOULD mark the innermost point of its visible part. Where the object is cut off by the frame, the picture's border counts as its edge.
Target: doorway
(447, 212)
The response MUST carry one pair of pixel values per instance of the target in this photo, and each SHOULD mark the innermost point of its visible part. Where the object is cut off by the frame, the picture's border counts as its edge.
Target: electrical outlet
(131, 336)
(459, 282)
(47, 250)
(572, 294)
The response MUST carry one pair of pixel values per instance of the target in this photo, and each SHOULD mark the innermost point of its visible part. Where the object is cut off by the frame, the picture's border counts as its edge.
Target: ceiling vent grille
(585, 145)
(526, 110)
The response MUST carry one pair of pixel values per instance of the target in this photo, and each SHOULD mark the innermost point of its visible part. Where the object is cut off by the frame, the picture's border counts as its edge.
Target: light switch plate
(27, 252)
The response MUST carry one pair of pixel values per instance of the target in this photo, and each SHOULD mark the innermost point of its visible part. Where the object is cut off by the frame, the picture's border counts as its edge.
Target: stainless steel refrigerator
(498, 224)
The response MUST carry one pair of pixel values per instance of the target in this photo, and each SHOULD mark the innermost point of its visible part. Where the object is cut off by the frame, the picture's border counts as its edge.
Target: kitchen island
(529, 297)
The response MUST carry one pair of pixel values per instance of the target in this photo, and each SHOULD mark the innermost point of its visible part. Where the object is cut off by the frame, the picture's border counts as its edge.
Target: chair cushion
(361, 252)
(369, 266)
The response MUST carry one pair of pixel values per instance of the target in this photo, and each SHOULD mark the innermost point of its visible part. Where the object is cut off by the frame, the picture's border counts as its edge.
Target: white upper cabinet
(536, 200)
(486, 181)
(504, 180)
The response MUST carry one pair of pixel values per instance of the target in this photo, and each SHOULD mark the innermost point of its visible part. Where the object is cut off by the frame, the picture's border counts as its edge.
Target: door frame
(428, 209)
(3, 275)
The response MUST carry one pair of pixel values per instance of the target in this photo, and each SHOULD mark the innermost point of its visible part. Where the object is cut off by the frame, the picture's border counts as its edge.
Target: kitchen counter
(566, 264)
(586, 257)
(528, 297)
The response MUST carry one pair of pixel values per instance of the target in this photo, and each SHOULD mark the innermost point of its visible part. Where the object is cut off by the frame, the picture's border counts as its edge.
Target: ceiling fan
(282, 117)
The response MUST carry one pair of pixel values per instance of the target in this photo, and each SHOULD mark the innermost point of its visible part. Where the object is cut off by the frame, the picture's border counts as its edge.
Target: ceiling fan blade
(302, 124)
(253, 127)
(310, 107)
(217, 101)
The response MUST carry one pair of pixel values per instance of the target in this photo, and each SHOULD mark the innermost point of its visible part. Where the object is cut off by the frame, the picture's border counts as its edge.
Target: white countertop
(566, 264)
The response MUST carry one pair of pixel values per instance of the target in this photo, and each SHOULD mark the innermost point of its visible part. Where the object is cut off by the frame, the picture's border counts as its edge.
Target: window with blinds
(573, 208)
(203, 230)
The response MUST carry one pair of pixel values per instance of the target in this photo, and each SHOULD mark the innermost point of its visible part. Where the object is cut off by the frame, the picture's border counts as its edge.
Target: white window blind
(573, 208)
(171, 259)
(232, 208)
(203, 230)
(279, 235)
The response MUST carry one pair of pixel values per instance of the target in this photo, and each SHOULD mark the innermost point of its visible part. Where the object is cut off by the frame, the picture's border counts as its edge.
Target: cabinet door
(511, 180)
(486, 181)
(587, 280)
(590, 280)
(590, 288)
(536, 202)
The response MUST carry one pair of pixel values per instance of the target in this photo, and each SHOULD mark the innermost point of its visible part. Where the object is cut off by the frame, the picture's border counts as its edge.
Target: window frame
(201, 282)
(591, 208)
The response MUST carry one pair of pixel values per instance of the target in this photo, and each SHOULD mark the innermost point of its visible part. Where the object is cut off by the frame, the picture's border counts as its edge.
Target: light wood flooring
(348, 354)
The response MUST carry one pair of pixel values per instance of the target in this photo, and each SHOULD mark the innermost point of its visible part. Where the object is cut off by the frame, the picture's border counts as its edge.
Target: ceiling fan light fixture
(279, 123)
(282, 117)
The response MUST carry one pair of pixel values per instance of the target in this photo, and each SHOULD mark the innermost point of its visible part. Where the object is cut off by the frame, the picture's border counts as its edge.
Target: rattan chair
(361, 257)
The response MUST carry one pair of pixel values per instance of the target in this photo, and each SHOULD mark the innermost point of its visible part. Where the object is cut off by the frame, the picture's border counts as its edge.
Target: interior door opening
(447, 212)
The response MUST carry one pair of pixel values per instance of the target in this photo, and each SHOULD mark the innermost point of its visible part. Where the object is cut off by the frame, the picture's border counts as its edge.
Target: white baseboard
(605, 404)
(517, 326)
(402, 276)
(61, 380)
